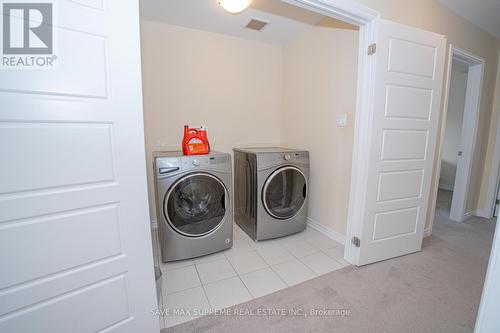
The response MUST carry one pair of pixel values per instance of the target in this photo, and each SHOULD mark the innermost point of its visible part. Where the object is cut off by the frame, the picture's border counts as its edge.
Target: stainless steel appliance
(271, 186)
(194, 206)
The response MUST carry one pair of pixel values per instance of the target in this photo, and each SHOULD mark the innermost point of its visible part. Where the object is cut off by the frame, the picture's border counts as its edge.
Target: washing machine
(271, 188)
(194, 208)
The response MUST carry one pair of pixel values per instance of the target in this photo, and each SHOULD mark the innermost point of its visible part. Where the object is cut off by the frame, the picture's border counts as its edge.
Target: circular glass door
(195, 205)
(285, 193)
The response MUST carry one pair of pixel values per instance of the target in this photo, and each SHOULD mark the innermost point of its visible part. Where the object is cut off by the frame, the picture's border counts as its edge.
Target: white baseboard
(479, 213)
(328, 232)
(337, 236)
(484, 213)
(445, 187)
(470, 214)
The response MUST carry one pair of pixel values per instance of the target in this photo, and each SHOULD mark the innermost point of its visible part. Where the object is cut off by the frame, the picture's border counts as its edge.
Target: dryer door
(195, 205)
(285, 193)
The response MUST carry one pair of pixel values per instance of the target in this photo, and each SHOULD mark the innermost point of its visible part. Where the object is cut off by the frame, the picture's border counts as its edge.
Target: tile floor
(248, 270)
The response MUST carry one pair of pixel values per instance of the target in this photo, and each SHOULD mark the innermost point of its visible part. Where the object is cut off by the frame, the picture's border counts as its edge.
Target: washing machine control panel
(171, 165)
(220, 161)
(194, 162)
(167, 165)
(300, 155)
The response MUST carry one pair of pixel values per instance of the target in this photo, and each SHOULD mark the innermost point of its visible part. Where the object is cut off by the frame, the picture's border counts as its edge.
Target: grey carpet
(435, 290)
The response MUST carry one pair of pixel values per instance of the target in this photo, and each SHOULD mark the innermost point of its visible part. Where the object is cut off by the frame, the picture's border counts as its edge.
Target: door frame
(468, 135)
(366, 19)
(493, 180)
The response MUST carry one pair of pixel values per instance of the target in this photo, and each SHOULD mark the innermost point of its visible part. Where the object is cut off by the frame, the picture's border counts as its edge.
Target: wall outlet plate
(341, 119)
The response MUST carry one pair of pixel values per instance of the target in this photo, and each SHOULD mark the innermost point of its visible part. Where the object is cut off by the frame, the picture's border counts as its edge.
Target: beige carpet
(435, 290)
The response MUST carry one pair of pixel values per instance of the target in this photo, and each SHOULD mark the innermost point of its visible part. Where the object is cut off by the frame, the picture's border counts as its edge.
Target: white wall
(231, 85)
(454, 120)
(320, 75)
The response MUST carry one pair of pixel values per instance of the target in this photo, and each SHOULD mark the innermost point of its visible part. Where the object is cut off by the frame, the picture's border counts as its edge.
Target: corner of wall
(336, 236)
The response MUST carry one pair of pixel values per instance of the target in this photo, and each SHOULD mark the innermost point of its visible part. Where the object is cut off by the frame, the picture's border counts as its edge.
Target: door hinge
(372, 48)
(356, 241)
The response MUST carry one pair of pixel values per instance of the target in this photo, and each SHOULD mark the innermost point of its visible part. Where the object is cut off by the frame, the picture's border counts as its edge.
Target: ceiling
(483, 13)
(286, 22)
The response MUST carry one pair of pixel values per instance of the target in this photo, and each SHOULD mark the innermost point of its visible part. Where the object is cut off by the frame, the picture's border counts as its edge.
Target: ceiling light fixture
(234, 6)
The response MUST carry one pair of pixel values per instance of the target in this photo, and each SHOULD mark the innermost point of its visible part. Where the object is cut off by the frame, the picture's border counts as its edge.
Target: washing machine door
(195, 205)
(285, 192)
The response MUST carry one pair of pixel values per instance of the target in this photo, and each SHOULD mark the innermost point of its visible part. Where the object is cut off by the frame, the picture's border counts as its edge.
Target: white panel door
(75, 242)
(408, 82)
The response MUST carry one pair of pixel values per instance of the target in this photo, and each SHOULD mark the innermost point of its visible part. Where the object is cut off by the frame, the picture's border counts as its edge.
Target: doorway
(275, 96)
(451, 154)
(459, 132)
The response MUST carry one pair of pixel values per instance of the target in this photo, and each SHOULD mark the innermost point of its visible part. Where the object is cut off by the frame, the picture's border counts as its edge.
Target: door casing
(469, 133)
(365, 18)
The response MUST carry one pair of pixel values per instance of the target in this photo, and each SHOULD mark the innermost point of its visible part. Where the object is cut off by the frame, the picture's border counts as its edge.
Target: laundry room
(273, 75)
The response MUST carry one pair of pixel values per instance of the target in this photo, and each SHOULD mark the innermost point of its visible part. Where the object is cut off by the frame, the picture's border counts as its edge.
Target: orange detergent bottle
(195, 141)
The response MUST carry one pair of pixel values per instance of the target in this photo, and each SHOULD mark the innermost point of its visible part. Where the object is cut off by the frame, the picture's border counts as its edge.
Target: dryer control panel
(271, 160)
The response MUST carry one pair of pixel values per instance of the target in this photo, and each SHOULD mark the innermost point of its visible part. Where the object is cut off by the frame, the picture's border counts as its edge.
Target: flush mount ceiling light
(234, 6)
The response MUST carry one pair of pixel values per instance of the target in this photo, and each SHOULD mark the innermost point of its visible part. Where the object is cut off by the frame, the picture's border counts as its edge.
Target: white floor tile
(171, 265)
(237, 229)
(262, 282)
(209, 257)
(320, 263)
(246, 262)
(180, 279)
(299, 248)
(160, 307)
(242, 272)
(290, 239)
(337, 253)
(239, 246)
(318, 240)
(264, 244)
(238, 232)
(162, 322)
(275, 254)
(215, 270)
(226, 293)
(293, 272)
(190, 304)
(245, 237)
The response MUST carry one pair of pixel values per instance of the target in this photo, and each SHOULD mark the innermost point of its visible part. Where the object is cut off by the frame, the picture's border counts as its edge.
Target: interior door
(409, 66)
(75, 241)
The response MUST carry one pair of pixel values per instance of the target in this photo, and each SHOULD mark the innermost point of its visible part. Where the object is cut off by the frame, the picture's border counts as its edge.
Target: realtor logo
(27, 35)
(27, 28)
